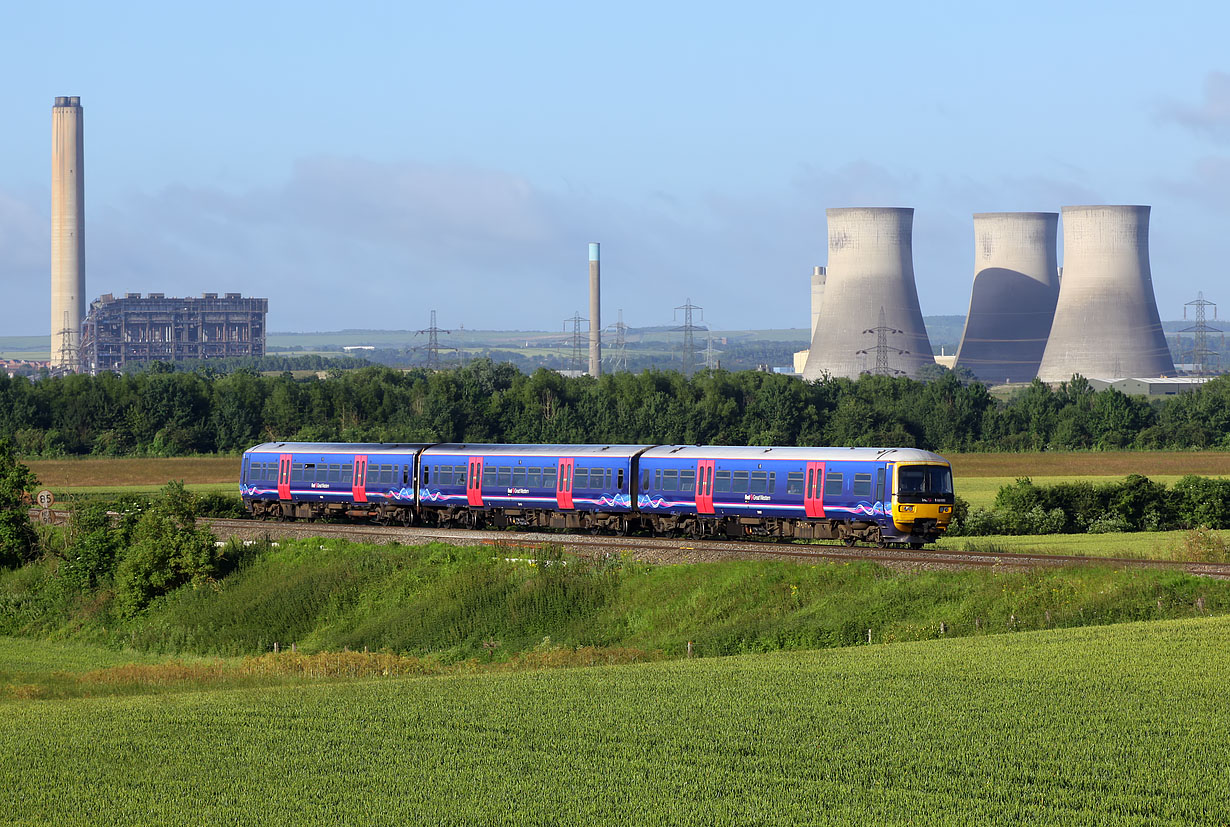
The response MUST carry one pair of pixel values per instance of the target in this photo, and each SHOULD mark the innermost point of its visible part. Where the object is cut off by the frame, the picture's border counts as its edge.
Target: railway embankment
(496, 602)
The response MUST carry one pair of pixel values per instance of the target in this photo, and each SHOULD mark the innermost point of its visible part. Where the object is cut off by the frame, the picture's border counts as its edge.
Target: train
(882, 496)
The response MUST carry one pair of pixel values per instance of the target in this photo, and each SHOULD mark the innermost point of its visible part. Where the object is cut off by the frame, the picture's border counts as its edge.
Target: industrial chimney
(1106, 322)
(869, 321)
(67, 232)
(1016, 285)
(595, 307)
(818, 278)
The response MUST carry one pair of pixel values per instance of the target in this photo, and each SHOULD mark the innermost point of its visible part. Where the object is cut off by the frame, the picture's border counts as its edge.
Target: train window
(580, 477)
(670, 480)
(503, 476)
(335, 473)
(385, 474)
(880, 485)
(405, 475)
(722, 484)
(489, 477)
(519, 477)
(347, 474)
(427, 476)
(459, 475)
(832, 485)
(608, 477)
(862, 485)
(772, 482)
(533, 478)
(621, 480)
(759, 482)
(794, 482)
(296, 472)
(657, 479)
(738, 482)
(548, 478)
(687, 480)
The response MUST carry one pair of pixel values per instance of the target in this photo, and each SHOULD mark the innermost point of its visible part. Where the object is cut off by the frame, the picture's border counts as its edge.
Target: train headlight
(906, 507)
(945, 509)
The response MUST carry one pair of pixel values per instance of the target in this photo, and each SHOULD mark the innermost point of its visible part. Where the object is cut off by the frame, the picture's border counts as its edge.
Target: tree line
(166, 413)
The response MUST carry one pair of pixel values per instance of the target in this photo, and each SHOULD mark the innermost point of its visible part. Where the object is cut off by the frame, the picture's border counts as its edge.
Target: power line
(883, 349)
(689, 343)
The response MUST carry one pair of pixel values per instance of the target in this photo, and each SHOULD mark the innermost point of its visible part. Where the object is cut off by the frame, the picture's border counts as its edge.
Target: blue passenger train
(885, 496)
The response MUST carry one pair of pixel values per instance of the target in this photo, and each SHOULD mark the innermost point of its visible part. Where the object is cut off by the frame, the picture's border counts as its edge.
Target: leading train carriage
(307, 480)
(556, 486)
(879, 495)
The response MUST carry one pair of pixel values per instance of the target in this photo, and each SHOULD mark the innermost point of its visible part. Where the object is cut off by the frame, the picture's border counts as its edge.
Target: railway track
(667, 550)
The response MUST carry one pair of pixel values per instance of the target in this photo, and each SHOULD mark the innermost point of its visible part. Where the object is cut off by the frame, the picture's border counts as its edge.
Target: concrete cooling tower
(1016, 285)
(869, 321)
(1106, 322)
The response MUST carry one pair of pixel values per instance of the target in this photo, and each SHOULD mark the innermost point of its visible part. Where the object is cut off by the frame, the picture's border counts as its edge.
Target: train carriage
(308, 480)
(880, 495)
(557, 486)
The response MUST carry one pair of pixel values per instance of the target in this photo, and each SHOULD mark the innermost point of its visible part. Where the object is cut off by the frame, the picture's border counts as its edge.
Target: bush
(1202, 545)
(18, 540)
(167, 551)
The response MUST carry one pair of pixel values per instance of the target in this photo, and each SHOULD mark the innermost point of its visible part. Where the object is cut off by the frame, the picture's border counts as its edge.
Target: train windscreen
(924, 483)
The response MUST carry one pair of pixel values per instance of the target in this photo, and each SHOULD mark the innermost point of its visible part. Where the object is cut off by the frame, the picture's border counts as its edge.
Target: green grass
(454, 604)
(1124, 725)
(1152, 545)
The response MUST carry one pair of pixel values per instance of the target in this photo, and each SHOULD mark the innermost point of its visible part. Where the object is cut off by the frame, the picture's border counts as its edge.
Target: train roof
(464, 449)
(337, 447)
(790, 452)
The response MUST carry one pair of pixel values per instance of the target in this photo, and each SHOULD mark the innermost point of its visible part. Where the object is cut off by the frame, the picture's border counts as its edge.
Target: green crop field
(1111, 725)
(1152, 545)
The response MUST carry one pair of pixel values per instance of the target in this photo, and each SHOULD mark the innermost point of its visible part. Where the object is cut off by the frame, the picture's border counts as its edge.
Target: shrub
(167, 551)
(18, 540)
(1202, 545)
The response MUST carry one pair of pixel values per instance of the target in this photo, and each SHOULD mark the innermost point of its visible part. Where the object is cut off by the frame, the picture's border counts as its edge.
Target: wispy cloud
(1211, 117)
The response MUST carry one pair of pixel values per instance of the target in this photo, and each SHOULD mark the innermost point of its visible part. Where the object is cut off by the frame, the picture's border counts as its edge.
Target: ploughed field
(1103, 725)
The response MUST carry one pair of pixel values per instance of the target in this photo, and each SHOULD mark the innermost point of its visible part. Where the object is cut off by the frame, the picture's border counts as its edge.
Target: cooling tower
(869, 321)
(67, 232)
(1106, 323)
(1016, 284)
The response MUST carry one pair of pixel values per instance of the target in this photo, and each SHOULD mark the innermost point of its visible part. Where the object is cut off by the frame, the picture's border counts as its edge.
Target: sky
(361, 164)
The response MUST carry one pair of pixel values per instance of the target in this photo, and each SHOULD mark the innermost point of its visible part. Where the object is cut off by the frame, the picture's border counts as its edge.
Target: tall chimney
(67, 232)
(595, 322)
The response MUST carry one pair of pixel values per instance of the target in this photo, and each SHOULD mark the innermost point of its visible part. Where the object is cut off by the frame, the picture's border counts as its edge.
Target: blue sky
(361, 164)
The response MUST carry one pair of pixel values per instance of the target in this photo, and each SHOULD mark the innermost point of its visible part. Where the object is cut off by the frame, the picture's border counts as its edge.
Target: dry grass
(294, 666)
(111, 472)
(1091, 464)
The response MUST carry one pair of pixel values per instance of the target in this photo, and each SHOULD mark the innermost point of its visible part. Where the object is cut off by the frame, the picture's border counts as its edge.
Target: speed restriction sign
(45, 499)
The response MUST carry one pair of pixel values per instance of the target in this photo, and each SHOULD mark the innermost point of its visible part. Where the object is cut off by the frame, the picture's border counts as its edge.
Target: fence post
(689, 648)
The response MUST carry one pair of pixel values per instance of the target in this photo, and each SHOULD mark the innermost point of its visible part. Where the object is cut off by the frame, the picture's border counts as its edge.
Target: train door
(813, 490)
(563, 483)
(284, 477)
(474, 482)
(359, 487)
(880, 488)
(886, 487)
(704, 486)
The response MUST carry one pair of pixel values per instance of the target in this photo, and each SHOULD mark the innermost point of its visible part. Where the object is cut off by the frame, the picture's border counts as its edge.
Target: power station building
(1012, 304)
(869, 320)
(67, 232)
(124, 331)
(1106, 321)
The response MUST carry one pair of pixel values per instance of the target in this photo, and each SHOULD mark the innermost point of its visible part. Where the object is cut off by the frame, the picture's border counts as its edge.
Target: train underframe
(693, 526)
